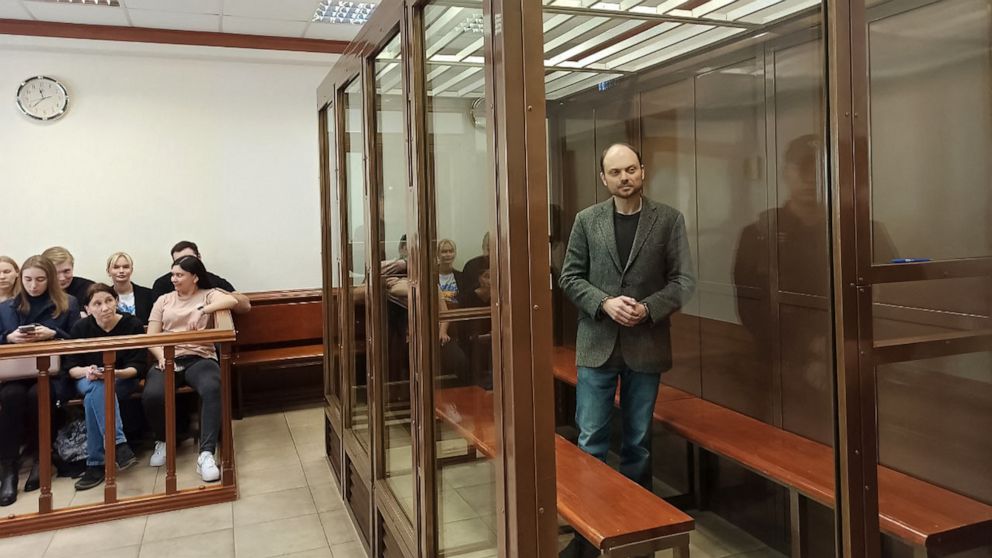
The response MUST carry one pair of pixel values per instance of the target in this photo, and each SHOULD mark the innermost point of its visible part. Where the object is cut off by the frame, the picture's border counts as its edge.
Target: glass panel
(332, 385)
(931, 173)
(459, 166)
(931, 133)
(393, 191)
(734, 141)
(354, 152)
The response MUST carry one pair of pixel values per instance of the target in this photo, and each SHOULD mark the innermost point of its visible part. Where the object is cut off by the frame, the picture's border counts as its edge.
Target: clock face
(42, 98)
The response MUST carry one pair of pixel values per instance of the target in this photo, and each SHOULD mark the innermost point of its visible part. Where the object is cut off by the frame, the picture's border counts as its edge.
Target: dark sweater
(163, 285)
(40, 313)
(78, 287)
(144, 299)
(87, 328)
(626, 228)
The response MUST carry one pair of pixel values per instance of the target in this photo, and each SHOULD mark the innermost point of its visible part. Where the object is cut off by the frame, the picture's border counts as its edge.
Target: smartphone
(26, 328)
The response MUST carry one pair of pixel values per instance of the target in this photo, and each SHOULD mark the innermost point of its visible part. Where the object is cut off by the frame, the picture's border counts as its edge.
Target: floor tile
(324, 552)
(276, 538)
(470, 532)
(261, 481)
(326, 497)
(304, 417)
(309, 434)
(191, 521)
(273, 505)
(97, 537)
(348, 550)
(310, 452)
(215, 544)
(462, 475)
(482, 497)
(318, 471)
(716, 536)
(338, 527)
(268, 458)
(27, 546)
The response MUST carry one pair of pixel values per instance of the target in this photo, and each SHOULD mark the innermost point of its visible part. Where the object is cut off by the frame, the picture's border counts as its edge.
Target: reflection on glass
(392, 255)
(331, 304)
(931, 126)
(460, 177)
(931, 61)
(734, 140)
(356, 271)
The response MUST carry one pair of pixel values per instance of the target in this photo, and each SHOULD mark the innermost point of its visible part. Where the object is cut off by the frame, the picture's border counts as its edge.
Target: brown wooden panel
(588, 495)
(588, 490)
(279, 355)
(909, 508)
(166, 36)
(280, 323)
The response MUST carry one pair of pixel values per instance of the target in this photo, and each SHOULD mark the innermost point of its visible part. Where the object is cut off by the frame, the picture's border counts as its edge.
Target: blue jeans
(93, 399)
(594, 408)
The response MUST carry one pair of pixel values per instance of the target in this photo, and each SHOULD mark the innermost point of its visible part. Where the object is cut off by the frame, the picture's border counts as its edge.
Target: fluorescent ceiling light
(343, 11)
(112, 3)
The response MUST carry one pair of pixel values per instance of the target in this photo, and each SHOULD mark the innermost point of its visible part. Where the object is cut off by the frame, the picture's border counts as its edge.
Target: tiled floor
(288, 505)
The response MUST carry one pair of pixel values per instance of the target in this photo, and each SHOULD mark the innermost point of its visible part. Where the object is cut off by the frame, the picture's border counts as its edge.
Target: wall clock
(42, 98)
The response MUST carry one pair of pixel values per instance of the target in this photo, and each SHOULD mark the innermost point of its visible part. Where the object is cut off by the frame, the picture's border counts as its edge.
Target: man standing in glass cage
(627, 269)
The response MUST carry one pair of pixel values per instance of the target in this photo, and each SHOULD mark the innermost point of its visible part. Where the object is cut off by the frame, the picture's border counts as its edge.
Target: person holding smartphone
(104, 320)
(188, 308)
(41, 311)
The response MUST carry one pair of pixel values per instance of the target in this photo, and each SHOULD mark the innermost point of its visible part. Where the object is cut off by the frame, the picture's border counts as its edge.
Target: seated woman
(188, 308)
(8, 278)
(449, 279)
(104, 320)
(132, 298)
(40, 312)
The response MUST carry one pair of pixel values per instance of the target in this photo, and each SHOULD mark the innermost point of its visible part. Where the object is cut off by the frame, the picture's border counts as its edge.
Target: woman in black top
(41, 312)
(87, 370)
(131, 298)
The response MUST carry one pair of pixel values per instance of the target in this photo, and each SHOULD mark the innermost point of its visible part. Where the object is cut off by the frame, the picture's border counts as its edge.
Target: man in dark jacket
(163, 285)
(627, 269)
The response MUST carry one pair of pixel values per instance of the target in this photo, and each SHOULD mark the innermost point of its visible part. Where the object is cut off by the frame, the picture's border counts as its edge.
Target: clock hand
(40, 100)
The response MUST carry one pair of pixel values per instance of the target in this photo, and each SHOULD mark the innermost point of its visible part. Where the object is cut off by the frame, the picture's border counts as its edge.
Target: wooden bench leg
(678, 543)
(795, 524)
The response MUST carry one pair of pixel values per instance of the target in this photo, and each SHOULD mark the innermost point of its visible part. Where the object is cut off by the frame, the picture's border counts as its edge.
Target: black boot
(8, 482)
(33, 482)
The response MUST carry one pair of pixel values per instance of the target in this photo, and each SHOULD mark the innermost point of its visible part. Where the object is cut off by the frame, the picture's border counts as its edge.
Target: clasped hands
(625, 310)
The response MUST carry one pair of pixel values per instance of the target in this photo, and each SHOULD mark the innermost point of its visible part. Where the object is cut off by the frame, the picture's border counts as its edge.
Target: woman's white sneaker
(207, 467)
(158, 456)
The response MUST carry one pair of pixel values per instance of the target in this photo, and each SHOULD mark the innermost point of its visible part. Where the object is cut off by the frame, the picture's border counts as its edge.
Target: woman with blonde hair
(132, 298)
(449, 279)
(41, 311)
(9, 281)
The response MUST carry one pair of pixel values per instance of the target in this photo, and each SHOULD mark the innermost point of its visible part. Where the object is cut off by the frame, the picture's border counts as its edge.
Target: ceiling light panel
(343, 11)
(77, 12)
(110, 3)
(214, 7)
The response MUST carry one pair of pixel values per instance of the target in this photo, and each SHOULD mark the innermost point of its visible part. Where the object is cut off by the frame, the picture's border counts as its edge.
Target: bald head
(622, 171)
(617, 148)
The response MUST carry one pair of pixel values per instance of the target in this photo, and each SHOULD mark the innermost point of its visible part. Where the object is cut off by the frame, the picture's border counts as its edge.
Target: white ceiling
(281, 18)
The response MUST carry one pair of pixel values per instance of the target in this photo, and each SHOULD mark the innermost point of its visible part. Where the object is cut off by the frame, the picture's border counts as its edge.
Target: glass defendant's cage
(830, 159)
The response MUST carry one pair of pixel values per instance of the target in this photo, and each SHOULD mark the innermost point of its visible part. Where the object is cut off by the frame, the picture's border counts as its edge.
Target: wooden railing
(46, 517)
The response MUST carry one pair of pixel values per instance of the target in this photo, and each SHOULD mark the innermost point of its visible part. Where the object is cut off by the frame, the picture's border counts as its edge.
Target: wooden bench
(613, 513)
(283, 330)
(936, 520)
